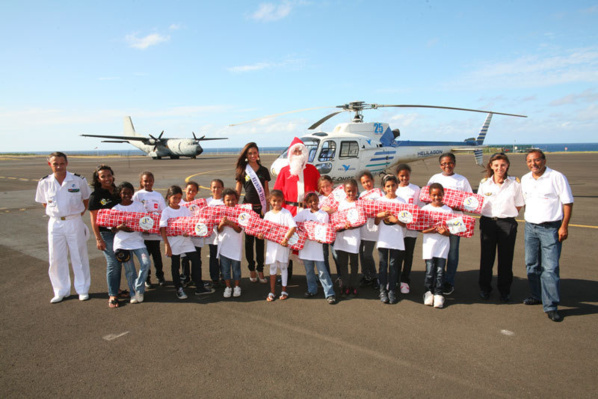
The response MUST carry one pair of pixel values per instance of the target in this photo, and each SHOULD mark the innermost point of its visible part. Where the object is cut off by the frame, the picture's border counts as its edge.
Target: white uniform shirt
(545, 197)
(436, 245)
(64, 199)
(213, 239)
(274, 251)
(410, 194)
(133, 239)
(153, 202)
(312, 250)
(178, 244)
(347, 240)
(197, 241)
(501, 200)
(454, 181)
(369, 231)
(391, 235)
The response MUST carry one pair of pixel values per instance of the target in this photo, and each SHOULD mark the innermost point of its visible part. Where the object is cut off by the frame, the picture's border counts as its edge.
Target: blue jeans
(542, 253)
(325, 280)
(453, 260)
(390, 259)
(113, 268)
(226, 264)
(434, 275)
(144, 266)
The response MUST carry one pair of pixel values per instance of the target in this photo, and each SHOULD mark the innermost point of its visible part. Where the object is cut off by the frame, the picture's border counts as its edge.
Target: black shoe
(447, 288)
(375, 284)
(485, 295)
(392, 297)
(331, 300)
(201, 290)
(384, 296)
(148, 282)
(161, 281)
(504, 298)
(309, 295)
(554, 316)
(531, 301)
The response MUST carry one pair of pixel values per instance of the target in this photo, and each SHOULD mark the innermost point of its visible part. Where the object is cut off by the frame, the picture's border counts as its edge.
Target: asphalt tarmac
(247, 347)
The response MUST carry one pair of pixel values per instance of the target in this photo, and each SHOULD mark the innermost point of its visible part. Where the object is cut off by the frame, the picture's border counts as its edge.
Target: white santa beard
(297, 164)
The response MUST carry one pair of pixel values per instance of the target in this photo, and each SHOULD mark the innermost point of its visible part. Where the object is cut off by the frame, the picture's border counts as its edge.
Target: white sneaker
(84, 297)
(56, 299)
(237, 292)
(228, 292)
(181, 294)
(404, 288)
(438, 301)
(429, 299)
(137, 298)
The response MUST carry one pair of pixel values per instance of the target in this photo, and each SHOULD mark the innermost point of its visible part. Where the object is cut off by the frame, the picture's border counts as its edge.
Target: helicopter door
(349, 158)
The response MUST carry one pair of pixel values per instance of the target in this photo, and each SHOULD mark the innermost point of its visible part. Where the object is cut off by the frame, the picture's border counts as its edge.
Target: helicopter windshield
(312, 148)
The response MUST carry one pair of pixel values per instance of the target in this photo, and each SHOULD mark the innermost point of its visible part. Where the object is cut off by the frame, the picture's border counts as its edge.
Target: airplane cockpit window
(349, 149)
(328, 151)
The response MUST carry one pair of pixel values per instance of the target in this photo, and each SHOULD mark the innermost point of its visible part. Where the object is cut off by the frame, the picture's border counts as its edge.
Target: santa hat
(296, 142)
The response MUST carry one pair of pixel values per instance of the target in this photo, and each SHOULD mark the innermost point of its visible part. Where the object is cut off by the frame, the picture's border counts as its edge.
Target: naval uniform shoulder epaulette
(484, 180)
(514, 178)
(46, 176)
(79, 176)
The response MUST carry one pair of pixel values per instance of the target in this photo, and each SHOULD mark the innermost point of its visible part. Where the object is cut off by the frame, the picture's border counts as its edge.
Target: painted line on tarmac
(112, 337)
(204, 173)
(357, 348)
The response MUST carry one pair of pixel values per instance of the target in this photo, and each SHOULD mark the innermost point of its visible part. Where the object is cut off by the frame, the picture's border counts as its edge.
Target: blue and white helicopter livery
(357, 145)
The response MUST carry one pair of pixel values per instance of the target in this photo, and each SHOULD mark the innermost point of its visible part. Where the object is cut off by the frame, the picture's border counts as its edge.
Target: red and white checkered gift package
(138, 221)
(373, 194)
(318, 231)
(458, 200)
(196, 226)
(334, 198)
(406, 213)
(239, 214)
(461, 225)
(354, 216)
(195, 205)
(275, 232)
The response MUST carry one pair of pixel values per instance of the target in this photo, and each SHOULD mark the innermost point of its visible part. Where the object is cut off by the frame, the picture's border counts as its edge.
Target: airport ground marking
(112, 337)
(204, 173)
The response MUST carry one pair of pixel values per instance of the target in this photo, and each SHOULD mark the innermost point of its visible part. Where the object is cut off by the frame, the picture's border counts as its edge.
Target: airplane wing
(125, 138)
(212, 138)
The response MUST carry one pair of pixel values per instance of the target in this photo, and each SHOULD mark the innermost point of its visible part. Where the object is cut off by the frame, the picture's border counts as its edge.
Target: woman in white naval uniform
(503, 199)
(65, 196)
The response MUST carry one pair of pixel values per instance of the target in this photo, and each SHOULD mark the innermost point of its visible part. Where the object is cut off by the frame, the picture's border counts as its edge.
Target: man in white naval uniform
(65, 196)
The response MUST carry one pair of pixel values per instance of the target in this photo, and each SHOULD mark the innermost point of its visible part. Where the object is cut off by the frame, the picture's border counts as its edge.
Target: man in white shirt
(65, 196)
(548, 207)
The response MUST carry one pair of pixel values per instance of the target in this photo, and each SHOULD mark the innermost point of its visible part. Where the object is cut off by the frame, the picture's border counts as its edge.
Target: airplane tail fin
(129, 129)
(484, 130)
(479, 158)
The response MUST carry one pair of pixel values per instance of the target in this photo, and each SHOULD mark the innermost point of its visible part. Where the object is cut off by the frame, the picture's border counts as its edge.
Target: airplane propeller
(156, 141)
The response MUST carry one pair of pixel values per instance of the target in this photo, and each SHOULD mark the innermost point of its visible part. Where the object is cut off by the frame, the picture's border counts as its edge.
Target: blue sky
(74, 67)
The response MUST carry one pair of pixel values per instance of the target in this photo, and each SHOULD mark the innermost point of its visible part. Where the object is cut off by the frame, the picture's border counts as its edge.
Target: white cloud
(175, 27)
(144, 42)
(268, 12)
(587, 96)
(258, 66)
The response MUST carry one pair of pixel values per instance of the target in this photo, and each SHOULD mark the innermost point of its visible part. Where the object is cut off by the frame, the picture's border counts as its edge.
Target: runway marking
(507, 333)
(112, 337)
(204, 173)
(370, 352)
(15, 178)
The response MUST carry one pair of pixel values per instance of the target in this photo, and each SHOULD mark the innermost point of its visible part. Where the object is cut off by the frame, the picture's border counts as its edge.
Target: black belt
(297, 204)
(495, 218)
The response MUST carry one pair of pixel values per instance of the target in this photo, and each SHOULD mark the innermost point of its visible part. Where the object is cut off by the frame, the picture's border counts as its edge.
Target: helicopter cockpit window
(328, 151)
(349, 149)
(312, 147)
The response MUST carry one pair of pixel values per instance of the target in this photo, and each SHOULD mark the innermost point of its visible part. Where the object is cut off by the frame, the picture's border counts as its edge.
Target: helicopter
(157, 147)
(357, 145)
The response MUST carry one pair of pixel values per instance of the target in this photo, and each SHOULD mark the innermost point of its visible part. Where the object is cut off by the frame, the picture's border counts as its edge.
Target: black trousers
(407, 261)
(185, 265)
(497, 234)
(195, 269)
(153, 247)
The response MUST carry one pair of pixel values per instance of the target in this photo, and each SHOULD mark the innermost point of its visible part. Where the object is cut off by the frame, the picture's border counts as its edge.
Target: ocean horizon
(546, 147)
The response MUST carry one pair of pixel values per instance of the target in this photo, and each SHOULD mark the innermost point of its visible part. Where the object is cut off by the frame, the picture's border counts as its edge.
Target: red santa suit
(294, 187)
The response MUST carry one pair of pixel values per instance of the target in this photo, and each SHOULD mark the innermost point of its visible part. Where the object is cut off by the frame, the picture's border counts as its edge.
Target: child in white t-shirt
(277, 255)
(191, 190)
(312, 254)
(230, 243)
(152, 202)
(391, 247)
(216, 188)
(369, 236)
(177, 246)
(435, 250)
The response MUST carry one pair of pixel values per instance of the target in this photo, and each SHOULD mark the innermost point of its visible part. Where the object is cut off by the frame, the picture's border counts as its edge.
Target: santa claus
(298, 178)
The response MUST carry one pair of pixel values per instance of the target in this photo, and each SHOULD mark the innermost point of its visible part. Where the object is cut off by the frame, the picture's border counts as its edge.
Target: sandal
(113, 303)
(271, 297)
(252, 277)
(262, 278)
(283, 295)
(123, 294)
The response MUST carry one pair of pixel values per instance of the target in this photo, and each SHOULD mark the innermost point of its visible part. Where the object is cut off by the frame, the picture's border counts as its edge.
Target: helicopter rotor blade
(275, 115)
(374, 106)
(324, 119)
